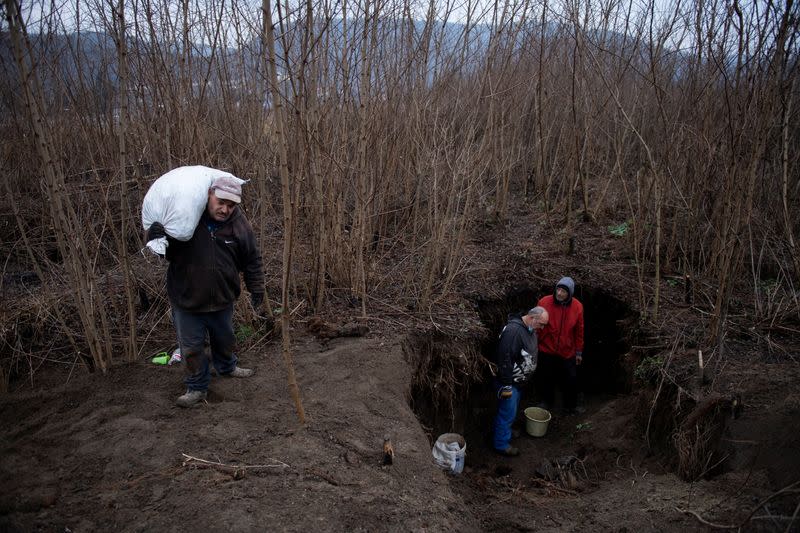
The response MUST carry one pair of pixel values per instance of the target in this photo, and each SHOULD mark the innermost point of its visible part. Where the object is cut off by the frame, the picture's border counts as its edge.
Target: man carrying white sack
(203, 284)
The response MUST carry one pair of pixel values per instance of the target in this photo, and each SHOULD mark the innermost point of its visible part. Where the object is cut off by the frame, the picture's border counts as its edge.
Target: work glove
(156, 231)
(505, 392)
(578, 358)
(257, 298)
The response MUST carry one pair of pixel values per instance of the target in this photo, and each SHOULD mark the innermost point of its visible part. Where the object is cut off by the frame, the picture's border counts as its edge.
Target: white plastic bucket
(536, 420)
(449, 451)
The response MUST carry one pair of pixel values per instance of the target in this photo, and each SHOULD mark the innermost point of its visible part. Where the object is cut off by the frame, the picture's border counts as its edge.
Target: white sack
(449, 452)
(177, 200)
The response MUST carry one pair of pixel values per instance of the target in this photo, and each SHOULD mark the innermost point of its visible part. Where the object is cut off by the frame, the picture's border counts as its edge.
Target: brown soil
(112, 453)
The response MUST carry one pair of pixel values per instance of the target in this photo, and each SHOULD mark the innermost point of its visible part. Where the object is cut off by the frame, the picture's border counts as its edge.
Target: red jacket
(563, 335)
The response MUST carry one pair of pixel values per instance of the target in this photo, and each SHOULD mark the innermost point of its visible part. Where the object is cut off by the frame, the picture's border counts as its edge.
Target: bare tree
(288, 222)
(396, 127)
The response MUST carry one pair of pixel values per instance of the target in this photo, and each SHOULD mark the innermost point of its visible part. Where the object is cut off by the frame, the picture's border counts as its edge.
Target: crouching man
(516, 361)
(203, 284)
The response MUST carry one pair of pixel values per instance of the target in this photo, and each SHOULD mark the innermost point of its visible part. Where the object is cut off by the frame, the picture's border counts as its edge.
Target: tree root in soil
(697, 439)
(551, 487)
(444, 371)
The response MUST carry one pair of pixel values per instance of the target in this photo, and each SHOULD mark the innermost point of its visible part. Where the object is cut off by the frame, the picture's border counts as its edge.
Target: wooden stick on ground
(196, 461)
(706, 522)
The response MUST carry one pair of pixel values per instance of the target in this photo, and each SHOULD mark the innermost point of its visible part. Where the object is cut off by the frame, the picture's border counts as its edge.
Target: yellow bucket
(536, 420)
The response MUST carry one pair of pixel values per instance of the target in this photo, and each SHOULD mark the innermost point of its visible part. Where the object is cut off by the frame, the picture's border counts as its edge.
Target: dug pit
(453, 392)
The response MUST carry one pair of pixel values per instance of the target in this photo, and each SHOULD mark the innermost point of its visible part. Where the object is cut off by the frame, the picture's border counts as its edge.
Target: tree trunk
(268, 35)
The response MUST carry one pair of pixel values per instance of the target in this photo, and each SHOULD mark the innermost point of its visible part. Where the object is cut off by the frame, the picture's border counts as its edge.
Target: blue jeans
(506, 413)
(192, 329)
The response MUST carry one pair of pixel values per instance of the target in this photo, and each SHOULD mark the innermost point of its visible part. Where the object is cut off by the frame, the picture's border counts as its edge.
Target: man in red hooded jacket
(561, 345)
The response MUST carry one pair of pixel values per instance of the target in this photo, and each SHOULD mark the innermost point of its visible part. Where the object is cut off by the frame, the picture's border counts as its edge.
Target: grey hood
(569, 284)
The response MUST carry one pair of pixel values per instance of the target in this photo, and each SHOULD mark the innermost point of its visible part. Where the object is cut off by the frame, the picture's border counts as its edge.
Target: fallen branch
(788, 489)
(196, 461)
(706, 522)
(322, 475)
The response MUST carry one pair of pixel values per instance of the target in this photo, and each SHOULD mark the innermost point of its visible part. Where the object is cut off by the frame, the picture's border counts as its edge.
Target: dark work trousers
(555, 370)
(192, 329)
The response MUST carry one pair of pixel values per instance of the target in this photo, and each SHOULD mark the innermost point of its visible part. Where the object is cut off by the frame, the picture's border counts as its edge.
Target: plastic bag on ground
(177, 200)
(449, 452)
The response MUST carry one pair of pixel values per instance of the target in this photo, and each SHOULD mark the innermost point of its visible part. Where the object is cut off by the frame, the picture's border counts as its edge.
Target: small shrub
(619, 230)
(649, 368)
(244, 332)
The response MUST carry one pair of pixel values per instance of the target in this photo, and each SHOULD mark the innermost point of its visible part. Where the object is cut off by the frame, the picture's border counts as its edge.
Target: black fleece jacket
(514, 338)
(203, 272)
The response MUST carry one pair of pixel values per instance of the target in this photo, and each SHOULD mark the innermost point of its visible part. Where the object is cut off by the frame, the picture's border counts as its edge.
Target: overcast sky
(92, 15)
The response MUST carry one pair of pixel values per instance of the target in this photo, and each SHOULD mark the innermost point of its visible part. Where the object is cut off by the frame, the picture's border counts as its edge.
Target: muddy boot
(240, 372)
(192, 397)
(509, 452)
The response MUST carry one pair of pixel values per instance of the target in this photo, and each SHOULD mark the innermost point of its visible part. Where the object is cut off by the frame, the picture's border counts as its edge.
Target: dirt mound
(110, 453)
